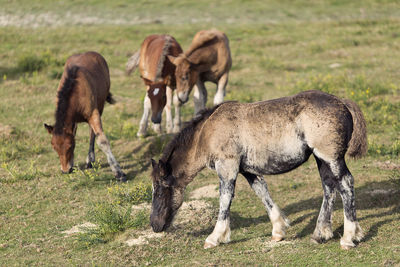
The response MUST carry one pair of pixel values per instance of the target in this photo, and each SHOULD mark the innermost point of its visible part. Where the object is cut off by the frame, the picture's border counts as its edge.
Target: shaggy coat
(265, 138)
(158, 74)
(208, 58)
(82, 92)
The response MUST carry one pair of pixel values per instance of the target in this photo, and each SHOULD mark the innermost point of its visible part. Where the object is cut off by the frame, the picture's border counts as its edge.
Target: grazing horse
(82, 92)
(264, 138)
(158, 74)
(207, 59)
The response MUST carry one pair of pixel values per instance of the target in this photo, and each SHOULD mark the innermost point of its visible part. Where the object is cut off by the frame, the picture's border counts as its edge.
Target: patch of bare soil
(81, 228)
(192, 212)
(6, 130)
(143, 238)
(205, 191)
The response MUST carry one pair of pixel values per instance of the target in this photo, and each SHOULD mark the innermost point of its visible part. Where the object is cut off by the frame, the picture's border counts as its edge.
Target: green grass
(348, 48)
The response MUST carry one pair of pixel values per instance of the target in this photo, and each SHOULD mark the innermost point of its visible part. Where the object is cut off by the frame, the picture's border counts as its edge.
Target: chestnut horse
(207, 59)
(82, 92)
(264, 138)
(158, 74)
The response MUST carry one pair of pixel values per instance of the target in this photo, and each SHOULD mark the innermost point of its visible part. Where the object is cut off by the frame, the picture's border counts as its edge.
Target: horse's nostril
(156, 120)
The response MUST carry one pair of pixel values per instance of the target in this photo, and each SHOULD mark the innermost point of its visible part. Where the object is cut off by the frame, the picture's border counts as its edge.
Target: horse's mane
(161, 60)
(184, 137)
(203, 38)
(63, 99)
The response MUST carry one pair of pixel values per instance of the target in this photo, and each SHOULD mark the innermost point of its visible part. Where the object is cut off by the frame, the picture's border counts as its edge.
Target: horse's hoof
(89, 165)
(209, 245)
(316, 240)
(346, 247)
(121, 177)
(277, 238)
(141, 134)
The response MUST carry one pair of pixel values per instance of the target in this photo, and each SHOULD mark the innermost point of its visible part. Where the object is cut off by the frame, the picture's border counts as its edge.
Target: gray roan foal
(263, 138)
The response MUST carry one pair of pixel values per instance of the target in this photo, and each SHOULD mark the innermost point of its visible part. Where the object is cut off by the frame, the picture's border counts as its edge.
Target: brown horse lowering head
(167, 196)
(64, 145)
(157, 93)
(186, 75)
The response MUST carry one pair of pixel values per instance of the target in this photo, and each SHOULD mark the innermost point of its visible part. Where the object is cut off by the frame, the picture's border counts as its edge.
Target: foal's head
(157, 93)
(167, 196)
(64, 145)
(186, 75)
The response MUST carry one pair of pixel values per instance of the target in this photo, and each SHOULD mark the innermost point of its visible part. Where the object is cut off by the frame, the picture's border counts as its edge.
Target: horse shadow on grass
(135, 159)
(371, 196)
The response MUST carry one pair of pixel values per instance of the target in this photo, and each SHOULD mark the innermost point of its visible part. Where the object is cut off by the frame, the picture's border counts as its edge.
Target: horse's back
(279, 135)
(92, 67)
(212, 45)
(153, 56)
(93, 82)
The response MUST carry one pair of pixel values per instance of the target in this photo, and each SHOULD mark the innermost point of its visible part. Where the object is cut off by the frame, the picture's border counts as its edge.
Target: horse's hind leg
(219, 96)
(278, 219)
(323, 229)
(90, 157)
(352, 230)
(102, 142)
(336, 175)
(227, 179)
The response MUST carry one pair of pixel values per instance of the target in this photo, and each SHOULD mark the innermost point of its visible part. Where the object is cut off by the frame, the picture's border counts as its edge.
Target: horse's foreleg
(146, 112)
(278, 219)
(219, 96)
(168, 112)
(352, 230)
(199, 97)
(177, 118)
(102, 142)
(91, 157)
(227, 179)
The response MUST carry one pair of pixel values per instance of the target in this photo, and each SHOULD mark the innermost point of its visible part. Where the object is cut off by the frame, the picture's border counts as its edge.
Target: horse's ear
(49, 128)
(146, 81)
(172, 59)
(153, 163)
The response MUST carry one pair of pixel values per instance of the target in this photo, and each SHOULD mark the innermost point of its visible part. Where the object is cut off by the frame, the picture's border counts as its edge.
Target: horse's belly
(275, 162)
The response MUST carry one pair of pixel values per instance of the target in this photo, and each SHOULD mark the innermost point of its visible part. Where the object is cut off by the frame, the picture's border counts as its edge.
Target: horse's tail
(358, 144)
(110, 99)
(132, 63)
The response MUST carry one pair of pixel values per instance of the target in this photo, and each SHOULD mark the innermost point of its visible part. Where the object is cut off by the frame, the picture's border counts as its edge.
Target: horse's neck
(200, 56)
(69, 125)
(186, 162)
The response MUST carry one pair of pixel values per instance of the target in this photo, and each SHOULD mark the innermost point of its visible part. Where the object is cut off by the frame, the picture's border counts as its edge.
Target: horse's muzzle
(67, 172)
(157, 227)
(183, 97)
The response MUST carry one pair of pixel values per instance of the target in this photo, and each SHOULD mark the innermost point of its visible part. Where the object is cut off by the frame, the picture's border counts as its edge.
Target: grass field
(348, 48)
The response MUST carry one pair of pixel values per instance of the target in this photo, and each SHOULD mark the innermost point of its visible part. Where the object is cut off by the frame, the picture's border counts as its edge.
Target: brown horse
(82, 92)
(265, 138)
(158, 74)
(207, 59)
